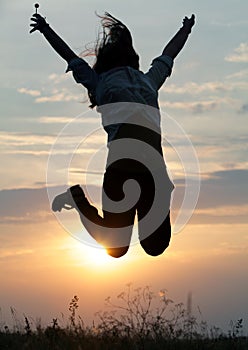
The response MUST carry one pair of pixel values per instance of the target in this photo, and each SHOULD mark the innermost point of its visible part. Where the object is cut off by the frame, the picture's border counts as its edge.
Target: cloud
(17, 141)
(225, 187)
(62, 96)
(223, 199)
(204, 97)
(58, 89)
(12, 253)
(56, 120)
(14, 144)
(29, 92)
(240, 54)
(25, 205)
(24, 151)
(193, 88)
(217, 147)
(58, 78)
(244, 109)
(14, 140)
(196, 107)
(243, 74)
(66, 120)
(230, 211)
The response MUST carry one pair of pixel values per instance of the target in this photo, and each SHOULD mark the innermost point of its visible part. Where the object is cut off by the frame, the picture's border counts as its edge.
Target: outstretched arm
(55, 41)
(176, 44)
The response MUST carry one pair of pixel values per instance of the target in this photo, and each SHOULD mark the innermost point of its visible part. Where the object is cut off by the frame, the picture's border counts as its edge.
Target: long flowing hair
(114, 48)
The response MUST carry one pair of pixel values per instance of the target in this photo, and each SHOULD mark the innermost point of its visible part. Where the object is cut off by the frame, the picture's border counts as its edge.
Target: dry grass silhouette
(135, 319)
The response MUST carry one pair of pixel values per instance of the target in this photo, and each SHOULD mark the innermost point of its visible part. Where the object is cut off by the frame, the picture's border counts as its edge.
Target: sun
(99, 256)
(92, 256)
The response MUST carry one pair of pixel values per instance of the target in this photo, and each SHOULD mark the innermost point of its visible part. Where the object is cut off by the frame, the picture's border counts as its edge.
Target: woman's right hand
(40, 23)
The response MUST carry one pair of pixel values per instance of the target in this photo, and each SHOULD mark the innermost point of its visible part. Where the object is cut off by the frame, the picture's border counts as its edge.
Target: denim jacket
(122, 84)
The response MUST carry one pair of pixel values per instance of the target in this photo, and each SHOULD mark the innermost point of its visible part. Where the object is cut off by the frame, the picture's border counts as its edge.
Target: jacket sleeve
(83, 73)
(161, 69)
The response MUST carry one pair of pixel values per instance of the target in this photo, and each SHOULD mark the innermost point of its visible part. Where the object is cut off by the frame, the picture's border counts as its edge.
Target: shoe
(62, 201)
(66, 200)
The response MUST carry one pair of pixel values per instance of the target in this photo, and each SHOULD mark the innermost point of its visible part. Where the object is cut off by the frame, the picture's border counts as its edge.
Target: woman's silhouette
(122, 92)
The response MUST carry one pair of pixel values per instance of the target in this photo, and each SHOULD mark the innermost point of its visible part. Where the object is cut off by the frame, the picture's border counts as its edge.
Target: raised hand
(189, 22)
(40, 23)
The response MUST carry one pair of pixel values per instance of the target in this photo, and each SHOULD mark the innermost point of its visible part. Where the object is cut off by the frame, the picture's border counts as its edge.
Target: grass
(137, 319)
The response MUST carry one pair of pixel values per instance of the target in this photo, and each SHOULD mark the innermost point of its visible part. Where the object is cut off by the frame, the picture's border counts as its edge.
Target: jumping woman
(127, 100)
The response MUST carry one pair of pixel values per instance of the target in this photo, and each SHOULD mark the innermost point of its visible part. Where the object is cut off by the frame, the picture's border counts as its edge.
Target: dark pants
(114, 229)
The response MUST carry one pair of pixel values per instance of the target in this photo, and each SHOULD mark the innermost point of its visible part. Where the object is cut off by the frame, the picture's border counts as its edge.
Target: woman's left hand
(189, 22)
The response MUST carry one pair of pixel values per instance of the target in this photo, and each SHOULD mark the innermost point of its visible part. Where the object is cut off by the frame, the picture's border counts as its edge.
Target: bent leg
(117, 252)
(155, 228)
(113, 230)
(156, 243)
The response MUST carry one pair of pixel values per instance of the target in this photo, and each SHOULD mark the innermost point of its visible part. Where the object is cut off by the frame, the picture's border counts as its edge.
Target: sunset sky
(41, 264)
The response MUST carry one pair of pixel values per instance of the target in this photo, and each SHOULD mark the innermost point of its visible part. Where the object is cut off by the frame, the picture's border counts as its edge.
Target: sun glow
(98, 257)
(90, 256)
